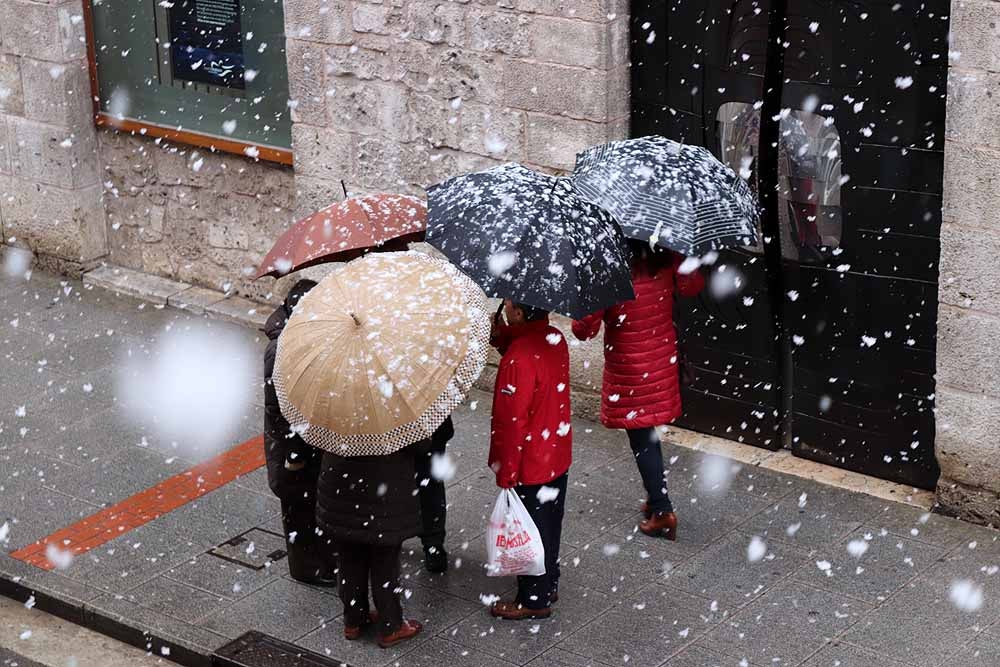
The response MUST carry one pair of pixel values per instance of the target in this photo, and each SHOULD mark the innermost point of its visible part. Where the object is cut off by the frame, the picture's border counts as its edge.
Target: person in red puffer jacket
(641, 380)
(531, 444)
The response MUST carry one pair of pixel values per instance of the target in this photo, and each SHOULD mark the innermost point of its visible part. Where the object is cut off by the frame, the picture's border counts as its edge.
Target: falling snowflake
(756, 550)
(966, 595)
(443, 468)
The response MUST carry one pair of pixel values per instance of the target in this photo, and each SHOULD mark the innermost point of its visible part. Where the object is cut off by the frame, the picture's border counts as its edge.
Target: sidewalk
(805, 598)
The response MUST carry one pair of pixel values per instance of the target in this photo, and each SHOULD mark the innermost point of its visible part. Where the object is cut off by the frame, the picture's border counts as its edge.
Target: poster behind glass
(206, 42)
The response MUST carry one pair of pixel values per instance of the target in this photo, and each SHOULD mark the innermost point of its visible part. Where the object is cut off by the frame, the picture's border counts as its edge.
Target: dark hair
(298, 291)
(531, 313)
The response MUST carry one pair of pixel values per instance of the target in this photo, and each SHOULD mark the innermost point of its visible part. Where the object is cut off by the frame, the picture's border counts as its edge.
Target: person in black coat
(433, 503)
(293, 466)
(365, 507)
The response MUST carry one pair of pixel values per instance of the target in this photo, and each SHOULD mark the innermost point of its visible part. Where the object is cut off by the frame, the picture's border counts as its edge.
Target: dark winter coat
(641, 385)
(280, 443)
(369, 499)
(532, 440)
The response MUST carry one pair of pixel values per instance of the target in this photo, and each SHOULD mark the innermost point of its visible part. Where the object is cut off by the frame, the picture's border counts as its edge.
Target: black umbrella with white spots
(669, 194)
(528, 237)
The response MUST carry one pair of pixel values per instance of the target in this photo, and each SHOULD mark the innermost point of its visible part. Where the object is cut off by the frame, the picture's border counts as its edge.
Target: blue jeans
(645, 443)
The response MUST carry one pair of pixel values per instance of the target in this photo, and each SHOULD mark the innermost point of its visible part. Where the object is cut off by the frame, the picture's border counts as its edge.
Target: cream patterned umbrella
(378, 354)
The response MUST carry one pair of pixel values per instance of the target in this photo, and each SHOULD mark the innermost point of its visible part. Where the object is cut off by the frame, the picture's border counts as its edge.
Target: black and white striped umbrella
(675, 195)
(528, 237)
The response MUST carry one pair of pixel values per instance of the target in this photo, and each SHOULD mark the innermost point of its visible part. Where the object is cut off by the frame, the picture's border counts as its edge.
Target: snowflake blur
(193, 388)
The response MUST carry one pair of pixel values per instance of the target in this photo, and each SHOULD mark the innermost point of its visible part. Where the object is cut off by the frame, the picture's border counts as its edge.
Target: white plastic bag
(513, 543)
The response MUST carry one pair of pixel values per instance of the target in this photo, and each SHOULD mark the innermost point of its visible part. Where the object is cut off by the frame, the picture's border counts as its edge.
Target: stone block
(195, 299)
(68, 224)
(498, 31)
(313, 194)
(11, 89)
(53, 155)
(238, 310)
(498, 133)
(134, 283)
(57, 94)
(975, 35)
(556, 90)
(43, 31)
(966, 446)
(973, 110)
(569, 42)
(452, 73)
(618, 39)
(5, 148)
(554, 141)
(323, 153)
(229, 234)
(588, 10)
(379, 19)
(362, 63)
(967, 349)
(971, 185)
(326, 21)
(436, 22)
(151, 231)
(382, 164)
(968, 256)
(367, 107)
(433, 120)
(306, 81)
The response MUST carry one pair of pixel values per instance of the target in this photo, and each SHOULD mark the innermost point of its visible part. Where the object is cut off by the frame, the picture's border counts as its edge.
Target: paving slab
(724, 571)
(642, 630)
(438, 652)
(177, 600)
(840, 654)
(238, 310)
(812, 515)
(283, 608)
(699, 657)
(869, 564)
(223, 578)
(557, 657)
(984, 651)
(521, 642)
(786, 625)
(919, 626)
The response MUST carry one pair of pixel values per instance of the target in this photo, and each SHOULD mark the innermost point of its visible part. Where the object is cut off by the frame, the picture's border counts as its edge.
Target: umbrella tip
(356, 319)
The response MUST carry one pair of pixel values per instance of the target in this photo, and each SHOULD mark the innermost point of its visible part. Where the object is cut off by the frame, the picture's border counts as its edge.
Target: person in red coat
(531, 442)
(641, 380)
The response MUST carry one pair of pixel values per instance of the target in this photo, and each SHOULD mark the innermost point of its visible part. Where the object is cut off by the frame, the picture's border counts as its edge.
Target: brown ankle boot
(512, 611)
(663, 524)
(408, 630)
(353, 632)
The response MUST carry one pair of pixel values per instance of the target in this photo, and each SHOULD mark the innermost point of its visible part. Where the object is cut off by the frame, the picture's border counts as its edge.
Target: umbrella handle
(499, 311)
(344, 188)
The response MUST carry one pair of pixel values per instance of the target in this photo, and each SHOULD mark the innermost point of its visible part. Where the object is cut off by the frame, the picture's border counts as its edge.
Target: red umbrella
(347, 230)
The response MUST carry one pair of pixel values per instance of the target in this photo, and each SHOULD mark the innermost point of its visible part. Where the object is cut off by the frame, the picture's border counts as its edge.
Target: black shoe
(436, 560)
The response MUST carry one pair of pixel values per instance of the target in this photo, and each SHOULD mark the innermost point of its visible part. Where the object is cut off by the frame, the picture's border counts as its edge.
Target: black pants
(534, 592)
(364, 563)
(433, 504)
(308, 555)
(645, 443)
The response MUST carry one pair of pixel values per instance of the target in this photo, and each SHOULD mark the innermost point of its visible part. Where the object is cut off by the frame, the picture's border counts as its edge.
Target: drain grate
(254, 549)
(255, 649)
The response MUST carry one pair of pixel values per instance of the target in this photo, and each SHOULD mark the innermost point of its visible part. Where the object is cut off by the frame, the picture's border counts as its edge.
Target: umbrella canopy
(527, 236)
(346, 230)
(379, 353)
(671, 194)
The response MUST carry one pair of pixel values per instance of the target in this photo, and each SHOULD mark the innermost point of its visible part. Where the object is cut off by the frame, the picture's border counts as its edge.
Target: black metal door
(835, 110)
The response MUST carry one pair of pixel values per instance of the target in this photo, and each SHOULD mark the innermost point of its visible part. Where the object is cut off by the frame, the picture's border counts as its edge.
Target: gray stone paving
(625, 599)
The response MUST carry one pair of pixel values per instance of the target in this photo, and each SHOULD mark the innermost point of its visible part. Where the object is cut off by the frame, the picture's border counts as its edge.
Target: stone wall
(968, 373)
(50, 185)
(396, 95)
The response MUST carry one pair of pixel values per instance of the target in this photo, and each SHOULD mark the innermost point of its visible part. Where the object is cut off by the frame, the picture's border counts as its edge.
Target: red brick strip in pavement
(143, 507)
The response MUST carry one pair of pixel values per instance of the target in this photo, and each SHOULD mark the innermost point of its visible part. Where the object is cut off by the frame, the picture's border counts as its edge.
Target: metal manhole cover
(254, 549)
(255, 649)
